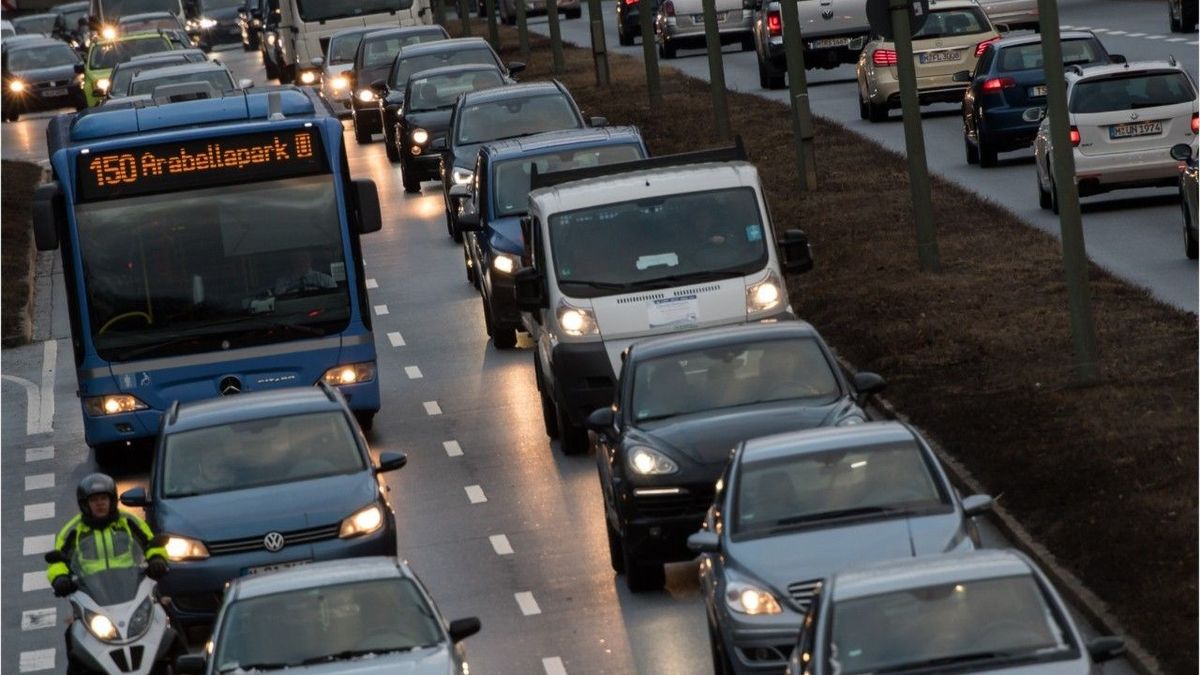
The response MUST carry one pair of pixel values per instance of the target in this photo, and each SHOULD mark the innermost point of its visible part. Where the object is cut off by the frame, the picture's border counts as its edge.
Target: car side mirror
(1105, 648)
(391, 461)
(961, 76)
(245, 83)
(529, 290)
(603, 421)
(867, 384)
(461, 629)
(189, 664)
(460, 192)
(704, 541)
(1181, 152)
(49, 214)
(797, 254)
(135, 497)
(79, 68)
(437, 144)
(379, 87)
(515, 67)
(1117, 58)
(598, 122)
(317, 62)
(976, 505)
(369, 217)
(468, 221)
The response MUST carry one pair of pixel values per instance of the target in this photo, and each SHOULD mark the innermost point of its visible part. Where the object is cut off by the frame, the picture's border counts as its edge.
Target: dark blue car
(493, 244)
(1007, 98)
(252, 483)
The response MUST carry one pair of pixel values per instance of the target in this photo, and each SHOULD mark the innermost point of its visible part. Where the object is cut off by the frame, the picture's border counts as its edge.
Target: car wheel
(876, 113)
(393, 153)
(573, 13)
(572, 439)
(769, 78)
(549, 419)
(972, 151)
(641, 576)
(487, 316)
(361, 136)
(669, 51)
(1043, 196)
(110, 456)
(508, 20)
(247, 47)
(366, 419)
(721, 662)
(988, 155)
(455, 234)
(748, 43)
(472, 277)
(1053, 196)
(412, 184)
(1189, 239)
(12, 115)
(624, 38)
(862, 109)
(616, 556)
(272, 71)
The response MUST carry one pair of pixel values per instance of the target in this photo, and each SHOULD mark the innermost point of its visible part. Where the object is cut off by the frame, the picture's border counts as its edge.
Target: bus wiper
(839, 514)
(250, 667)
(944, 661)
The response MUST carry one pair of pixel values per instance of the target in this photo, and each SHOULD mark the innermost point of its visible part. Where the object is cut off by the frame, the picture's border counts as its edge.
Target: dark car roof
(143, 16)
(70, 7)
(32, 41)
(718, 337)
(251, 406)
(517, 147)
(451, 45)
(1037, 39)
(41, 15)
(512, 91)
(355, 30)
(376, 32)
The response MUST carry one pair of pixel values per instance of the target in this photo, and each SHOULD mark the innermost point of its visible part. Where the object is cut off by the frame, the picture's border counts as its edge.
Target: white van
(622, 252)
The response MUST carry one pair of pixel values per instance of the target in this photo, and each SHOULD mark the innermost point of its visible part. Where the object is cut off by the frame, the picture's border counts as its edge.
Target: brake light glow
(1195, 124)
(983, 45)
(668, 8)
(998, 83)
(884, 57)
(631, 2)
(1075, 137)
(774, 23)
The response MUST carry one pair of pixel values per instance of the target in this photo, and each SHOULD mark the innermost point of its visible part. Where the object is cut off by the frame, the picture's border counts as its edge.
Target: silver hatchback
(680, 25)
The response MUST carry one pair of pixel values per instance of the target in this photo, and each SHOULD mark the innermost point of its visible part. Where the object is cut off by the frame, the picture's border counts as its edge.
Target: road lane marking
(31, 403)
(1136, 35)
(34, 581)
(475, 494)
(36, 619)
(1176, 39)
(396, 339)
(528, 605)
(1116, 32)
(49, 363)
(372, 284)
(500, 544)
(37, 544)
(1097, 30)
(413, 372)
(1155, 37)
(1194, 43)
(39, 481)
(553, 666)
(40, 511)
(38, 659)
(39, 454)
(381, 310)
(452, 448)
(432, 408)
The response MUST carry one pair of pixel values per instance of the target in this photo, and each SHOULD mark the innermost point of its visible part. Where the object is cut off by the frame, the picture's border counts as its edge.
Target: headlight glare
(420, 136)
(576, 321)
(206, 22)
(308, 77)
(764, 295)
(103, 84)
(16, 86)
(649, 462)
(351, 373)
(503, 262)
(462, 176)
(365, 521)
(113, 404)
(340, 82)
(101, 626)
(108, 32)
(271, 39)
(366, 95)
(185, 548)
(748, 599)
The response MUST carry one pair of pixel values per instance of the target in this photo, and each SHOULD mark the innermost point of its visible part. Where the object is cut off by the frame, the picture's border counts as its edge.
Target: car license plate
(699, 18)
(1038, 91)
(944, 56)
(51, 93)
(829, 43)
(1135, 129)
(267, 569)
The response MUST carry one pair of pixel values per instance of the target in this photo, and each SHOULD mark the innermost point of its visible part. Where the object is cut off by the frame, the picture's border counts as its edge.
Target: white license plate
(829, 43)
(267, 569)
(51, 93)
(945, 56)
(1039, 90)
(1135, 129)
(699, 18)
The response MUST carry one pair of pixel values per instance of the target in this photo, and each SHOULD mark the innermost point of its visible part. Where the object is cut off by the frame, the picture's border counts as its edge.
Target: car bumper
(368, 119)
(427, 166)
(821, 57)
(34, 99)
(1147, 168)
(732, 29)
(759, 644)
(222, 33)
(1007, 128)
(583, 377)
(884, 88)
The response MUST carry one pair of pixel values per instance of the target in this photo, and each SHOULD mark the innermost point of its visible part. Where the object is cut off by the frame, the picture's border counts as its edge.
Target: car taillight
(998, 83)
(1075, 137)
(884, 57)
(1195, 124)
(668, 8)
(983, 45)
(631, 2)
(774, 23)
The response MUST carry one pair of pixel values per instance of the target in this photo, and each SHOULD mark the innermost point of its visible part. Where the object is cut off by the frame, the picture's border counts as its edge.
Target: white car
(1124, 119)
(1012, 14)
(336, 66)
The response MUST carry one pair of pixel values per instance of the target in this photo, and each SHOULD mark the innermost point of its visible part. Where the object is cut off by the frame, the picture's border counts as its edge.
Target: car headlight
(16, 86)
(420, 136)
(113, 404)
(108, 32)
(340, 82)
(185, 548)
(103, 84)
(205, 22)
(650, 462)
(100, 626)
(271, 39)
(140, 621)
(352, 373)
(462, 176)
(577, 321)
(366, 95)
(308, 77)
(505, 262)
(764, 295)
(851, 420)
(362, 522)
(749, 599)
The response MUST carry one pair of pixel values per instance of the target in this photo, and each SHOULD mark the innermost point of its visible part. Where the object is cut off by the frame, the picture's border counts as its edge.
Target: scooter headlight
(101, 626)
(139, 623)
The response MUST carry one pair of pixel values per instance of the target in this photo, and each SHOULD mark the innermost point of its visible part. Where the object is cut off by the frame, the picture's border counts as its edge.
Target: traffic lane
(1135, 234)
(1129, 27)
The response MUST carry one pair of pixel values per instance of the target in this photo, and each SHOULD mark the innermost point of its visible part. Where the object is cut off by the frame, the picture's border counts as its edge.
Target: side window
(716, 513)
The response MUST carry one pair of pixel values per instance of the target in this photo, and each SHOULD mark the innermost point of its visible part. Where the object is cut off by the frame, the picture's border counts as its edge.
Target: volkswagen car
(40, 74)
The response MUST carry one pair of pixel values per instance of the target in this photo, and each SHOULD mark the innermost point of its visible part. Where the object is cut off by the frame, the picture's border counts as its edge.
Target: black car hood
(363, 78)
(436, 122)
(55, 74)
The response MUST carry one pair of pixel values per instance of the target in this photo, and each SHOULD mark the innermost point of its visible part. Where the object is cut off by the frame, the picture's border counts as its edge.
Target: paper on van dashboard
(647, 261)
(673, 312)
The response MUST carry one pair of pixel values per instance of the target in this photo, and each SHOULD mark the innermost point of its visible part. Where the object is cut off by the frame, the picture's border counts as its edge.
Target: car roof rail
(328, 389)
(173, 412)
(734, 153)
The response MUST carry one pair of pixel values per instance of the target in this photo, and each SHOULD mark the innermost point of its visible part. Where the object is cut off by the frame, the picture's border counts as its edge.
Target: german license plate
(1039, 90)
(699, 18)
(1135, 129)
(829, 43)
(267, 569)
(51, 93)
(944, 56)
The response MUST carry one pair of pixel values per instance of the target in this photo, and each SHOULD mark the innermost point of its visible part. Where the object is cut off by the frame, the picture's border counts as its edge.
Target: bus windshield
(112, 10)
(204, 270)
(324, 10)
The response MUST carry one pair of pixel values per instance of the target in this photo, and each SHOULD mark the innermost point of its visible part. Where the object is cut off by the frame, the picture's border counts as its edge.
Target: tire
(472, 276)
(748, 43)
(1053, 196)
(366, 419)
(721, 663)
(12, 115)
(548, 417)
(509, 20)
(573, 13)
(769, 78)
(412, 184)
(272, 71)
(1043, 196)
(972, 151)
(287, 75)
(572, 439)
(110, 456)
(616, 553)
(862, 109)
(876, 113)
(503, 337)
(668, 50)
(988, 155)
(1189, 242)
(360, 135)
(625, 39)
(247, 47)
(640, 576)
(389, 143)
(487, 316)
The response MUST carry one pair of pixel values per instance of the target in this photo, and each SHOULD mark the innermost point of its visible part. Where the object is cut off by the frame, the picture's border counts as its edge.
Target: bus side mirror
(797, 255)
(369, 217)
(529, 291)
(48, 215)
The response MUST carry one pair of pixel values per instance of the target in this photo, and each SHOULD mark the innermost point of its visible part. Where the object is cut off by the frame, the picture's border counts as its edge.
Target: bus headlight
(420, 136)
(764, 295)
(340, 82)
(308, 77)
(577, 321)
(505, 262)
(113, 404)
(353, 373)
(16, 86)
(185, 548)
(366, 95)
(363, 522)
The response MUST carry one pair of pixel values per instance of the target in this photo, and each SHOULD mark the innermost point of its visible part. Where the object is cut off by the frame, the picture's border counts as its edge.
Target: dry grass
(17, 180)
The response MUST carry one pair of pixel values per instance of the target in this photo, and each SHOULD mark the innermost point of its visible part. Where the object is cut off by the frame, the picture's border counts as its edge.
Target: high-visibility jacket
(108, 547)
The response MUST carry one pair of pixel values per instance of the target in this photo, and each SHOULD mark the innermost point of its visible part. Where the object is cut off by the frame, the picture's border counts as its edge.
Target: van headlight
(185, 548)
(420, 136)
(16, 86)
(364, 521)
(103, 84)
(366, 95)
(764, 295)
(308, 77)
(576, 321)
(340, 82)
(462, 176)
(352, 373)
(505, 263)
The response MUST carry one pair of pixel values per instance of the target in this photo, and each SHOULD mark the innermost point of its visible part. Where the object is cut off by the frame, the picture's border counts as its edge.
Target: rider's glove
(63, 586)
(156, 568)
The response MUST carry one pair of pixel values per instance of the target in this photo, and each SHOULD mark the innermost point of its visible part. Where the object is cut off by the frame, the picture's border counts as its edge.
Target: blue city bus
(209, 247)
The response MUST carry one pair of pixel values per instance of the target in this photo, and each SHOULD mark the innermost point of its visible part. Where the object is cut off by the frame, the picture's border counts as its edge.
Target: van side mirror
(530, 290)
(79, 68)
(369, 217)
(49, 214)
(189, 664)
(704, 541)
(1105, 648)
(135, 497)
(797, 255)
(461, 629)
(245, 83)
(961, 76)
(317, 62)
(603, 421)
(867, 384)
(515, 67)
(378, 86)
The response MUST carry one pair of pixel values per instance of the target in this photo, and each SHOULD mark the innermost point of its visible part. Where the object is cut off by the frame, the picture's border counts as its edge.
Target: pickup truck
(834, 33)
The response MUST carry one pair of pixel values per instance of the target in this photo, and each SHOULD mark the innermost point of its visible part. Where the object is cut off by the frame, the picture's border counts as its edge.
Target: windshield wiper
(688, 278)
(234, 667)
(839, 515)
(943, 661)
(605, 285)
(348, 654)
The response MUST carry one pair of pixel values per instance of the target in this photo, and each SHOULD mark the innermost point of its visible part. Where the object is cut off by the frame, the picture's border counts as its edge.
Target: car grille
(802, 592)
(51, 84)
(666, 506)
(289, 538)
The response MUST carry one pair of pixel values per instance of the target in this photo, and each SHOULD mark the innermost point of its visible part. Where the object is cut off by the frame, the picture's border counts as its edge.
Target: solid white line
(371, 283)
(40, 511)
(475, 494)
(36, 619)
(1098, 30)
(34, 581)
(31, 402)
(396, 339)
(553, 666)
(381, 310)
(528, 605)
(39, 454)
(39, 659)
(37, 544)
(413, 372)
(49, 364)
(39, 481)
(432, 408)
(500, 544)
(453, 449)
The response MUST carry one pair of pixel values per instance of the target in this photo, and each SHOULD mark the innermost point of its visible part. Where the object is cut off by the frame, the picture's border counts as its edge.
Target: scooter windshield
(112, 577)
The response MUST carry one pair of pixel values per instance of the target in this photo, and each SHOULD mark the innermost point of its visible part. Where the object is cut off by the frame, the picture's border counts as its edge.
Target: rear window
(951, 22)
(218, 79)
(1029, 57)
(343, 47)
(109, 54)
(459, 57)
(1130, 92)
(381, 51)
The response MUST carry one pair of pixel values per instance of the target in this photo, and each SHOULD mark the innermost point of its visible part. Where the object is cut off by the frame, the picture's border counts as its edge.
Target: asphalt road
(498, 524)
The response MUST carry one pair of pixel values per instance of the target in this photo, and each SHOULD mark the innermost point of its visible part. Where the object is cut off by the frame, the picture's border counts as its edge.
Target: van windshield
(324, 10)
(658, 242)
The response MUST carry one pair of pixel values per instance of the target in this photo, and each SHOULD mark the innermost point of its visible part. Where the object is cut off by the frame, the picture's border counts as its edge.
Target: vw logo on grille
(273, 541)
(826, 14)
(1133, 116)
(229, 385)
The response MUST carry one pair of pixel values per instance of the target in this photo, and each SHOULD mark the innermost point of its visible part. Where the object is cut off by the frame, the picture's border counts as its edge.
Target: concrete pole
(522, 29)
(716, 70)
(802, 123)
(464, 15)
(649, 55)
(599, 46)
(489, 7)
(556, 46)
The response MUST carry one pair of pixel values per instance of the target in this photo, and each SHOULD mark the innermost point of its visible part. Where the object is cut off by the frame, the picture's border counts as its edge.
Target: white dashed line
(371, 283)
(39, 511)
(475, 494)
(1176, 40)
(528, 605)
(37, 544)
(39, 454)
(49, 359)
(34, 581)
(1116, 32)
(36, 619)
(1136, 35)
(39, 481)
(432, 408)
(500, 544)
(1155, 37)
(413, 372)
(452, 448)
(396, 339)
(1098, 30)
(381, 310)
(1194, 43)
(40, 659)
(553, 666)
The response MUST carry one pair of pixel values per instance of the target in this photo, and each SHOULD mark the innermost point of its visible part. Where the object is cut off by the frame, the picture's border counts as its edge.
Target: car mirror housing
(704, 541)
(1117, 58)
(515, 67)
(976, 505)
(317, 62)
(391, 461)
(598, 122)
(461, 629)
(1105, 648)
(379, 87)
(529, 289)
(867, 384)
(602, 420)
(468, 221)
(460, 192)
(135, 497)
(797, 254)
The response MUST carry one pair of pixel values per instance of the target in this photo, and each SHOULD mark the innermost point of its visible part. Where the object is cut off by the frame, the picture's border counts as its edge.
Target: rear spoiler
(734, 153)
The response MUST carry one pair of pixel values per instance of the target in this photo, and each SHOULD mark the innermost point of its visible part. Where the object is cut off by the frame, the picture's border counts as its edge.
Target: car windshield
(220, 80)
(1029, 57)
(343, 47)
(42, 23)
(731, 375)
(325, 624)
(439, 92)
(202, 270)
(139, 25)
(822, 487)
(658, 242)
(105, 55)
(209, 5)
(951, 22)
(968, 622)
(381, 51)
(512, 175)
(1131, 92)
(514, 117)
(324, 10)
(123, 74)
(287, 449)
(48, 56)
(405, 67)
(113, 9)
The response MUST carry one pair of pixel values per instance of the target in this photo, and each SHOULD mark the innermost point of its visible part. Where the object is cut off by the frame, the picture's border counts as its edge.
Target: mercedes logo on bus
(273, 541)
(229, 385)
